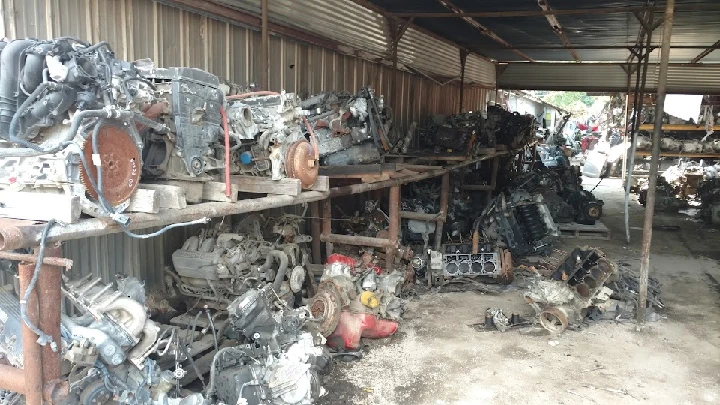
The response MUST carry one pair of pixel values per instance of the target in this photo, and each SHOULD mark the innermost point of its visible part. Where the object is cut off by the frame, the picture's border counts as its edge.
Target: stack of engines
(521, 222)
(687, 143)
(562, 191)
(65, 107)
(218, 266)
(355, 299)
(459, 133)
(279, 362)
(709, 195)
(108, 345)
(511, 129)
(578, 284)
(350, 129)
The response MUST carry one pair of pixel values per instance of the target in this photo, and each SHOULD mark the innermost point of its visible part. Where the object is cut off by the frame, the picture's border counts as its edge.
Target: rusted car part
(35, 370)
(577, 284)
(357, 299)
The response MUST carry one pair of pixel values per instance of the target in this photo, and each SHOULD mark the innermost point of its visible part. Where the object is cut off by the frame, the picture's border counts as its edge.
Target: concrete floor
(436, 358)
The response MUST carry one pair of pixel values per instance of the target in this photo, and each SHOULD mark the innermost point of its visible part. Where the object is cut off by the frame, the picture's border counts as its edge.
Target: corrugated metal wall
(173, 37)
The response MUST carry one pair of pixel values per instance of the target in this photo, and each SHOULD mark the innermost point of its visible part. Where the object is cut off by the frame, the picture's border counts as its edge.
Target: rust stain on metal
(483, 30)
(32, 353)
(48, 287)
(558, 29)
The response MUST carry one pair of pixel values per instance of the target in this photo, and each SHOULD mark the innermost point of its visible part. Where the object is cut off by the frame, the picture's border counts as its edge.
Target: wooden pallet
(580, 231)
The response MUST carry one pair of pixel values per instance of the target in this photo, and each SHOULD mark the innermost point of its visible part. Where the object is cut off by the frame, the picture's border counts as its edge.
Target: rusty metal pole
(48, 288)
(327, 224)
(394, 226)
(315, 231)
(32, 352)
(265, 33)
(652, 179)
(463, 59)
(12, 379)
(444, 195)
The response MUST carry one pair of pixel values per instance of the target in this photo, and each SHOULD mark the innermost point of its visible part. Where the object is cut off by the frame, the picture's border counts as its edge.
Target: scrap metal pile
(688, 183)
(467, 132)
(587, 287)
(686, 142)
(76, 120)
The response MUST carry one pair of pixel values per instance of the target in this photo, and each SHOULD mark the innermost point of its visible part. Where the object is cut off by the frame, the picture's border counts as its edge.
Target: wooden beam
(40, 206)
(266, 185)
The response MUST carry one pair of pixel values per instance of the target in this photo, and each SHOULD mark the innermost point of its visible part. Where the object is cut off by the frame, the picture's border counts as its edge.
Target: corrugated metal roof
(691, 27)
(682, 79)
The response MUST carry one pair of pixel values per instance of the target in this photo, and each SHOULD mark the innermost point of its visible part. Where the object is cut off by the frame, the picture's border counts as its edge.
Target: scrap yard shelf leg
(444, 194)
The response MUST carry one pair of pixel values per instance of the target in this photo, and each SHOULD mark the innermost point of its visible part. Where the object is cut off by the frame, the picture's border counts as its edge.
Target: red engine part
(354, 326)
(352, 263)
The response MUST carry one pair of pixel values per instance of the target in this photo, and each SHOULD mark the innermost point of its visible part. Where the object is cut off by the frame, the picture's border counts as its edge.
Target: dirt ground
(437, 358)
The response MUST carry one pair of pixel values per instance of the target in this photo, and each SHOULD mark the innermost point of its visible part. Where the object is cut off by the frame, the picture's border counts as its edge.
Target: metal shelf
(680, 154)
(16, 234)
(677, 127)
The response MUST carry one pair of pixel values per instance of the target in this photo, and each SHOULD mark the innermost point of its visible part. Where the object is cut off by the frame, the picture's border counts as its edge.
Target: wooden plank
(40, 206)
(677, 127)
(680, 154)
(361, 170)
(321, 184)
(215, 191)
(193, 189)
(485, 151)
(144, 200)
(172, 197)
(257, 184)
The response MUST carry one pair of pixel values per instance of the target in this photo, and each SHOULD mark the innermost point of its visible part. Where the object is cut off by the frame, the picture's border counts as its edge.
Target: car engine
(66, 107)
(217, 266)
(350, 129)
(109, 343)
(278, 364)
(521, 222)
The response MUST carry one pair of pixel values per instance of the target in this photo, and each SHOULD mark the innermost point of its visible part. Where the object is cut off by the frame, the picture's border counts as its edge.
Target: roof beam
(589, 47)
(370, 6)
(483, 29)
(581, 11)
(706, 52)
(558, 29)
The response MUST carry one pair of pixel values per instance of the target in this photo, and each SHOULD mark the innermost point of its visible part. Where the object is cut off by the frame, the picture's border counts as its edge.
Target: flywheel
(121, 164)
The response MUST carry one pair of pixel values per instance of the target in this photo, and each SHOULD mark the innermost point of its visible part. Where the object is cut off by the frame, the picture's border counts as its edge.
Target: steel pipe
(393, 226)
(444, 196)
(48, 287)
(356, 240)
(265, 36)
(32, 352)
(652, 177)
(315, 231)
(52, 261)
(327, 225)
(12, 379)
(421, 216)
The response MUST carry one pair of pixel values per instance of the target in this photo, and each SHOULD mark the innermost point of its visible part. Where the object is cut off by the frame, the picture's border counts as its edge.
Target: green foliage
(568, 99)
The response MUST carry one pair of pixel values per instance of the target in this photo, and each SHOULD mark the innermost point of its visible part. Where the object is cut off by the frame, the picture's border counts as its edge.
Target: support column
(627, 133)
(327, 224)
(444, 195)
(393, 226)
(265, 33)
(315, 226)
(48, 288)
(652, 179)
(463, 59)
(32, 352)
